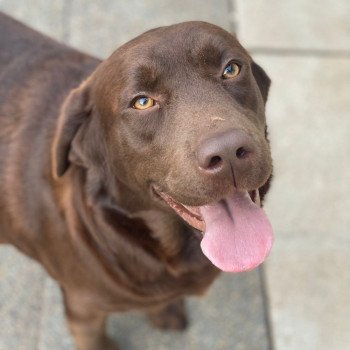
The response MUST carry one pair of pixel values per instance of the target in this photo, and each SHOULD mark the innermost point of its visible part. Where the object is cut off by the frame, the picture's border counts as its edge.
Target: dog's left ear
(75, 111)
(262, 80)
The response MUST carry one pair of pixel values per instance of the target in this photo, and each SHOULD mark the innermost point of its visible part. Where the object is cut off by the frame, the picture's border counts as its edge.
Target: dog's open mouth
(237, 233)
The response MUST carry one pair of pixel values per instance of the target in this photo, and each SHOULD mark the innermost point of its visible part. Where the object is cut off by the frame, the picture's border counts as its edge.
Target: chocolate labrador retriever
(134, 180)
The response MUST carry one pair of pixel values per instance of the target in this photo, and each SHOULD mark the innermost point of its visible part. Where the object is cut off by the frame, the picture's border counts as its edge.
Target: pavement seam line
(275, 51)
(267, 308)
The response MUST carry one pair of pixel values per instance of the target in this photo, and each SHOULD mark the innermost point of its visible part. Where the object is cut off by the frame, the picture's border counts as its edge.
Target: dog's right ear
(262, 80)
(75, 111)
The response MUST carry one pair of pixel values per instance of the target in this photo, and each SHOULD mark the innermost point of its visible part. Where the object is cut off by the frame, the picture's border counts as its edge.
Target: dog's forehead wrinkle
(144, 77)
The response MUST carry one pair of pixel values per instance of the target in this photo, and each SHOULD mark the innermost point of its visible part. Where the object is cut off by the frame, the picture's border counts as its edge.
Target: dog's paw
(103, 343)
(172, 317)
(110, 345)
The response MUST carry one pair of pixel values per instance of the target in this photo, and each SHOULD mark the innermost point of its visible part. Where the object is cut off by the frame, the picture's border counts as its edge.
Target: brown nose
(231, 151)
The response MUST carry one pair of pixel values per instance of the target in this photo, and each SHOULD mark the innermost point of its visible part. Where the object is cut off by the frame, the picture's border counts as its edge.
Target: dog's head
(178, 115)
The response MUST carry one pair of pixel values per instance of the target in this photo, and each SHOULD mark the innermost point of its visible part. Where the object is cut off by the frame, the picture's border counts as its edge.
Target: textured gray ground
(305, 47)
(230, 316)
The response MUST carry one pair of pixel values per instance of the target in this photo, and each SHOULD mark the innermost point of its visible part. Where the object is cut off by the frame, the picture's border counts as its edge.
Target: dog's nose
(233, 150)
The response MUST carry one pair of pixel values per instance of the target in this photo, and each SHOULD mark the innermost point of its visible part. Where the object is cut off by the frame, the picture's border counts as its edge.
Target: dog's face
(180, 112)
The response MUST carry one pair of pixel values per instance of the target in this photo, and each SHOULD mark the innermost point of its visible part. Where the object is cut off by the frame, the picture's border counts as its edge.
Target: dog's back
(30, 61)
(16, 40)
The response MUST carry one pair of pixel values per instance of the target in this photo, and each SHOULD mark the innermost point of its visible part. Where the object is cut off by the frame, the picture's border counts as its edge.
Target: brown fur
(77, 164)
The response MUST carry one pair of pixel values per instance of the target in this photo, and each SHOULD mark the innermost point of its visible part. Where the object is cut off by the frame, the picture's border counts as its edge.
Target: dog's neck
(148, 234)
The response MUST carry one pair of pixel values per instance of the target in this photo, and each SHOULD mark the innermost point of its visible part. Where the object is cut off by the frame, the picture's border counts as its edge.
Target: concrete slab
(294, 24)
(308, 282)
(308, 113)
(21, 295)
(99, 27)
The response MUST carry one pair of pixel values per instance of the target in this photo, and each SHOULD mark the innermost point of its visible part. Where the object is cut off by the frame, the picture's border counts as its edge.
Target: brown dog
(110, 171)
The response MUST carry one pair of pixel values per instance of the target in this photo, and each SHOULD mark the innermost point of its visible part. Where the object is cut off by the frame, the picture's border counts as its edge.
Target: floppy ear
(75, 110)
(262, 80)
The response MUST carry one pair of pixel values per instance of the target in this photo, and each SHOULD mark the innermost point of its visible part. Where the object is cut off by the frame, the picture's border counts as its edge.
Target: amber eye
(143, 102)
(231, 71)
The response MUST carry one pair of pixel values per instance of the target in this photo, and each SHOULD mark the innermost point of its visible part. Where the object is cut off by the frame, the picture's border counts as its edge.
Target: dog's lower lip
(190, 214)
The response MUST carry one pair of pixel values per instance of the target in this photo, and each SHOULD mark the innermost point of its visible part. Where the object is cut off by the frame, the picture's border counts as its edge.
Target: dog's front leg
(86, 323)
(172, 316)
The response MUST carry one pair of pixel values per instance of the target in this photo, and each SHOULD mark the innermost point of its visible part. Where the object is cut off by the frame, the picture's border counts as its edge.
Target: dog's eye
(231, 71)
(143, 102)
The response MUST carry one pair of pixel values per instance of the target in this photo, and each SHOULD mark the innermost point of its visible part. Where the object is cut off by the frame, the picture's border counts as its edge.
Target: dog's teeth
(257, 198)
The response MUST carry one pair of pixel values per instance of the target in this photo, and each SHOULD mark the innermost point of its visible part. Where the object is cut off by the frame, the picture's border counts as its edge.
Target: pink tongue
(238, 235)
